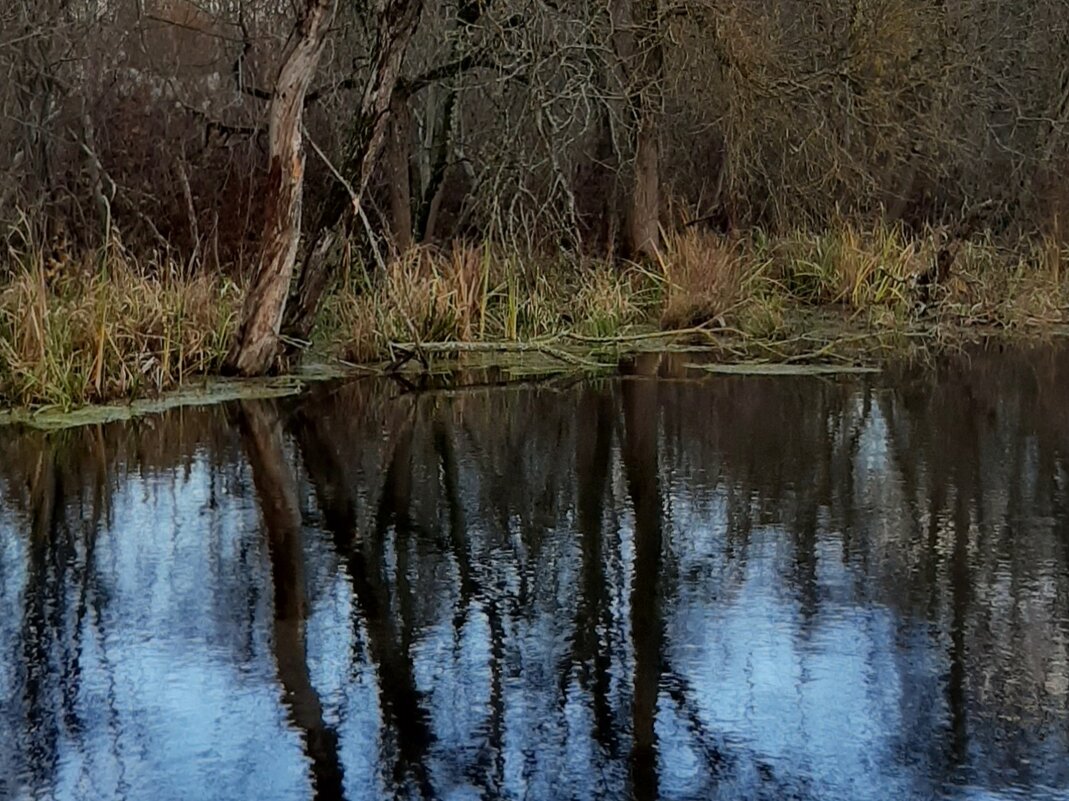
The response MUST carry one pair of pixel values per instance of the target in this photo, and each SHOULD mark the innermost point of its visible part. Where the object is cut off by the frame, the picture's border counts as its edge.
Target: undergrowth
(752, 292)
(483, 294)
(104, 328)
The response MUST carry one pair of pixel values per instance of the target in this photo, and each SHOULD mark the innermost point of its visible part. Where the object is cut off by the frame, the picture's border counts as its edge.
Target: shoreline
(518, 362)
(842, 296)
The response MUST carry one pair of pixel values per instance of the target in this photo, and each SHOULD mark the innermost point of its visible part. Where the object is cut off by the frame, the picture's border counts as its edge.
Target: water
(732, 588)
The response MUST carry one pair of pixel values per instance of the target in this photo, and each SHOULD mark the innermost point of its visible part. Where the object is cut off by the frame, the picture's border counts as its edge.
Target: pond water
(654, 586)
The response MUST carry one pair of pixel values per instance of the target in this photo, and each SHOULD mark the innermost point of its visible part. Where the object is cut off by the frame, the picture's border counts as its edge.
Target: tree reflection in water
(276, 488)
(727, 588)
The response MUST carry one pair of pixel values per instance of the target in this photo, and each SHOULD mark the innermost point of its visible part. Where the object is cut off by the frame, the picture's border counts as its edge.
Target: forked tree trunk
(398, 20)
(257, 344)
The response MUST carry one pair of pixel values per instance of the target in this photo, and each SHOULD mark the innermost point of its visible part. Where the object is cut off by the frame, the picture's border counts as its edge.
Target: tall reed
(83, 332)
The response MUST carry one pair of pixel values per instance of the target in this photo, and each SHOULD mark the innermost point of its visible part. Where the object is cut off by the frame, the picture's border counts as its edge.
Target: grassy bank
(843, 294)
(103, 329)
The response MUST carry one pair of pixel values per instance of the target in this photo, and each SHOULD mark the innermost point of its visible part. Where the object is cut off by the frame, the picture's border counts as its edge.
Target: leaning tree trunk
(397, 22)
(257, 343)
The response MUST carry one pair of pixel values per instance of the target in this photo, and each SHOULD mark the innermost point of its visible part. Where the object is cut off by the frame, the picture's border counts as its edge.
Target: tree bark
(643, 218)
(639, 68)
(397, 22)
(606, 165)
(399, 180)
(256, 346)
(643, 221)
(300, 314)
(431, 199)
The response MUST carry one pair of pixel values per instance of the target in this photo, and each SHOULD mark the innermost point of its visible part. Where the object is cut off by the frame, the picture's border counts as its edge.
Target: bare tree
(397, 20)
(176, 126)
(256, 346)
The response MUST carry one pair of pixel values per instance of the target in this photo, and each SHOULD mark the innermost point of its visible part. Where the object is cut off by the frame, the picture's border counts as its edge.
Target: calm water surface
(727, 588)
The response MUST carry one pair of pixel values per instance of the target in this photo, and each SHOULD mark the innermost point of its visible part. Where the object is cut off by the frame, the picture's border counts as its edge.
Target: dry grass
(849, 267)
(760, 290)
(1019, 289)
(478, 294)
(753, 283)
(705, 278)
(80, 334)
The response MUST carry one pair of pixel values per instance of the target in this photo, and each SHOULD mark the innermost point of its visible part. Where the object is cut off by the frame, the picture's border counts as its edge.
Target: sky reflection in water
(731, 588)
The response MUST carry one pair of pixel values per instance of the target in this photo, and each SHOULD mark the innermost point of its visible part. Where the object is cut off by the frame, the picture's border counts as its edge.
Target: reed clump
(480, 293)
(102, 329)
(848, 267)
(764, 287)
(706, 279)
(767, 287)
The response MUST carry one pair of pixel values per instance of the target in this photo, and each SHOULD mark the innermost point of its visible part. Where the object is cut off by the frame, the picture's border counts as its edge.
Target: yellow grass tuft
(88, 335)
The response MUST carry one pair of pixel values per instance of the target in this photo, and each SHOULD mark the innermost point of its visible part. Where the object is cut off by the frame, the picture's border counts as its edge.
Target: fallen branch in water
(404, 352)
(556, 382)
(829, 348)
(728, 341)
(705, 330)
(833, 349)
(783, 369)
